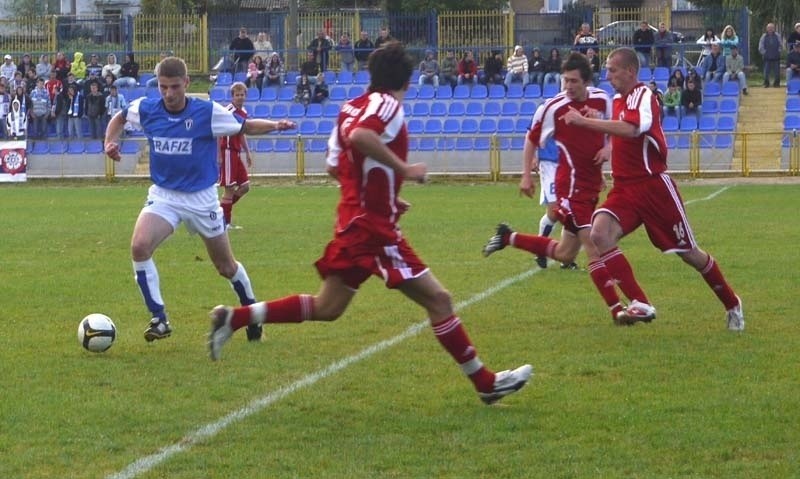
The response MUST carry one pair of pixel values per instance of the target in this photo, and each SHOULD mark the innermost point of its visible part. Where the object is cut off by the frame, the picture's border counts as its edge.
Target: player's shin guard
(716, 281)
(146, 276)
(454, 340)
(619, 269)
(538, 245)
(605, 285)
(545, 226)
(241, 284)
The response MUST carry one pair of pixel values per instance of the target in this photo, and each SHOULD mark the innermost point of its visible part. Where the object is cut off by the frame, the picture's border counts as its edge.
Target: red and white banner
(13, 161)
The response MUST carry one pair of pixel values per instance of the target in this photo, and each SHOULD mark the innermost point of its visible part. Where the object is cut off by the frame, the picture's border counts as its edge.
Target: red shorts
(575, 213)
(232, 171)
(356, 253)
(656, 203)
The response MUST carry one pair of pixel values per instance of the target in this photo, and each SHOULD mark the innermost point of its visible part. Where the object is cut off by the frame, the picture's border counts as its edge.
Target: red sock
(605, 284)
(713, 276)
(454, 339)
(227, 205)
(538, 245)
(291, 309)
(619, 269)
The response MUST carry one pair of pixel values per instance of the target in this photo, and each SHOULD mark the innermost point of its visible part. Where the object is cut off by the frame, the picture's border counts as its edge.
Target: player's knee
(243, 189)
(227, 270)
(601, 240)
(328, 312)
(441, 303)
(140, 251)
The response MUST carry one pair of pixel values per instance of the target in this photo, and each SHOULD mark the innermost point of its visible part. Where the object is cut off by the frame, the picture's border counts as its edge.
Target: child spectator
(16, 122)
(672, 101)
(95, 111)
(321, 92)
(303, 90)
(5, 105)
(274, 70)
(62, 66)
(40, 109)
(79, 67)
(691, 101)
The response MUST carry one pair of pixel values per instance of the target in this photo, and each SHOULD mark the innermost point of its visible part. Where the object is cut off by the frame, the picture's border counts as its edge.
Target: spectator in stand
(714, 64)
(468, 69)
(242, 49)
(383, 37)
(62, 66)
(115, 102)
(691, 101)
(708, 39)
(363, 48)
(93, 69)
(734, 68)
(594, 61)
(321, 92)
(274, 71)
(8, 68)
(30, 80)
(59, 110)
(263, 45)
(91, 79)
(111, 67)
(695, 77)
(493, 69)
(321, 47)
(770, 46)
(429, 70)
(643, 40)
(793, 62)
(517, 67)
(81, 69)
(657, 93)
(662, 42)
(449, 69)
(16, 124)
(309, 68)
(43, 67)
(728, 39)
(108, 82)
(95, 111)
(25, 101)
(40, 110)
(585, 39)
(677, 78)
(5, 105)
(25, 64)
(53, 86)
(672, 101)
(536, 66)
(16, 82)
(552, 68)
(75, 109)
(128, 73)
(793, 37)
(259, 74)
(346, 53)
(303, 90)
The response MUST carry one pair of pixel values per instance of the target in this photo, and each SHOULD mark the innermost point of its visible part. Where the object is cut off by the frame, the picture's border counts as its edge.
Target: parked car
(621, 33)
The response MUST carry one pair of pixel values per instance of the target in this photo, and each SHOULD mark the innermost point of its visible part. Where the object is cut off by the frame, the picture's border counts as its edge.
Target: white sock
(146, 277)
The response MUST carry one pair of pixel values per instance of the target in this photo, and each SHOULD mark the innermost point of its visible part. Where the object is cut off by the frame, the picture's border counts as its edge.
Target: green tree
(28, 8)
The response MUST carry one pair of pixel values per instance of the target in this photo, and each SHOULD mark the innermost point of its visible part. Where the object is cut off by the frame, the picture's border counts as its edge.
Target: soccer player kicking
(182, 134)
(233, 170)
(579, 177)
(643, 193)
(372, 142)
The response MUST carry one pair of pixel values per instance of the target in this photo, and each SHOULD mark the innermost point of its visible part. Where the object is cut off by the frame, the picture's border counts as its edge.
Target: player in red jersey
(643, 193)
(372, 142)
(579, 176)
(233, 171)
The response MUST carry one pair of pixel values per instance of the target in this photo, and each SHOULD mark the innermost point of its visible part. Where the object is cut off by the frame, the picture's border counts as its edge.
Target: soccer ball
(96, 332)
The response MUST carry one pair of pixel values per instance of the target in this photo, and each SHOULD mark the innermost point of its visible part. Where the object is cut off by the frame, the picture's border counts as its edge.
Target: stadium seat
(94, 147)
(426, 92)
(438, 108)
(487, 126)
(456, 109)
(532, 90)
(723, 141)
(330, 77)
(710, 107)
(427, 143)
(415, 76)
(307, 127)
(469, 126)
(661, 74)
(361, 77)
(514, 91)
(483, 143)
(415, 126)
(527, 108)
(218, 94)
(517, 143)
(433, 126)
(286, 94)
(269, 93)
(522, 125)
(505, 126)
(411, 93)
(240, 77)
(444, 92)
(261, 110)
(504, 143)
(479, 92)
(264, 146)
(129, 147)
(252, 94)
(672, 141)
(451, 126)
(607, 87)
(497, 92)
(279, 111)
(223, 79)
(550, 90)
(730, 88)
(474, 108)
(284, 145)
(726, 123)
(669, 123)
(154, 93)
(711, 89)
(314, 110)
(491, 108)
(420, 109)
(463, 143)
(58, 147)
(344, 77)
(290, 132)
(791, 122)
(325, 127)
(793, 86)
(707, 123)
(793, 104)
(337, 93)
(461, 92)
(297, 110)
(355, 91)
(330, 110)
(645, 74)
(688, 123)
(510, 108)
(317, 145)
(446, 144)
(40, 148)
(146, 77)
(684, 141)
(413, 143)
(291, 78)
(728, 105)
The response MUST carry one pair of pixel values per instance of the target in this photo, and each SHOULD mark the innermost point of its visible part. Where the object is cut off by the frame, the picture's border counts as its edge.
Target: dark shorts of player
(356, 254)
(655, 203)
(575, 213)
(232, 171)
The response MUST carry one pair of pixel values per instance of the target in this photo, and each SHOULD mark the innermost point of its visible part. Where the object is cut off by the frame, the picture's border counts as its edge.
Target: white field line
(146, 463)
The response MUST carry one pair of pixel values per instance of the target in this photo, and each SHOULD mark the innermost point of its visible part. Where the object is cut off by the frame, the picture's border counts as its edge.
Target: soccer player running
(182, 133)
(372, 139)
(579, 177)
(643, 193)
(233, 170)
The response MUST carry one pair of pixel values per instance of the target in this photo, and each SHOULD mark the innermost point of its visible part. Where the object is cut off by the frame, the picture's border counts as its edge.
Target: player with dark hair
(579, 176)
(643, 193)
(372, 145)
(181, 132)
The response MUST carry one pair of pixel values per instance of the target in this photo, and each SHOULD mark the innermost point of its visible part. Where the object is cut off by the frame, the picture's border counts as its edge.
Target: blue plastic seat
(279, 111)
(505, 126)
(461, 92)
(487, 126)
(420, 109)
(284, 145)
(723, 141)
(707, 123)
(527, 108)
(463, 143)
(411, 93)
(317, 145)
(427, 143)
(469, 126)
(645, 74)
(307, 127)
(129, 147)
(361, 77)
(58, 147)
(433, 126)
(269, 93)
(710, 107)
(297, 110)
(532, 90)
(607, 87)
(355, 91)
(730, 88)
(498, 92)
(94, 147)
(669, 123)
(728, 105)
(517, 143)
(76, 147)
(456, 109)
(688, 123)
(252, 94)
(146, 77)
(661, 74)
(444, 92)
(550, 90)
(793, 104)
(42, 148)
(223, 79)
(337, 93)
(514, 91)
(264, 145)
(791, 122)
(314, 110)
(438, 108)
(330, 77)
(793, 86)
(672, 141)
(451, 126)
(446, 144)
(711, 89)
(510, 108)
(522, 125)
(482, 143)
(415, 126)
(726, 123)
(325, 127)
(479, 91)
(240, 77)
(330, 110)
(684, 142)
(291, 77)
(426, 92)
(286, 94)
(474, 108)
(344, 77)
(217, 93)
(492, 108)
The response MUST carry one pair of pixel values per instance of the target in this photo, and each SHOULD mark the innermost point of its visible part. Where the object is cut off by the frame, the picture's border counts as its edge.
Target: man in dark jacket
(364, 47)
(242, 49)
(643, 40)
(493, 69)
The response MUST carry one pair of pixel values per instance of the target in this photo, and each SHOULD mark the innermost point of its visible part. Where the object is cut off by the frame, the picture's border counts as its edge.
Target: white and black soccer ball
(96, 332)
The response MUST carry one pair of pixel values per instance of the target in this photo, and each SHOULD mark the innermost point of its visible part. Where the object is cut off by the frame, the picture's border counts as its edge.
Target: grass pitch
(681, 397)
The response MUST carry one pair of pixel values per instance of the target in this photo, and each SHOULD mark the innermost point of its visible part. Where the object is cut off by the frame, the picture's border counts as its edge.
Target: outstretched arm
(259, 126)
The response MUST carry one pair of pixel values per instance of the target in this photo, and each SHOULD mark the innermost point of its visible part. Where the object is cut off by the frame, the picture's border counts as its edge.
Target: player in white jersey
(182, 132)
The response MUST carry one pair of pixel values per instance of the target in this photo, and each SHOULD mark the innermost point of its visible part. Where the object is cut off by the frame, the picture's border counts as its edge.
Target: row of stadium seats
(77, 147)
(706, 123)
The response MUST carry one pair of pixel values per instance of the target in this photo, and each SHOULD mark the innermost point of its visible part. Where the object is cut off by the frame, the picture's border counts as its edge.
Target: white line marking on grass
(146, 463)
(709, 197)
